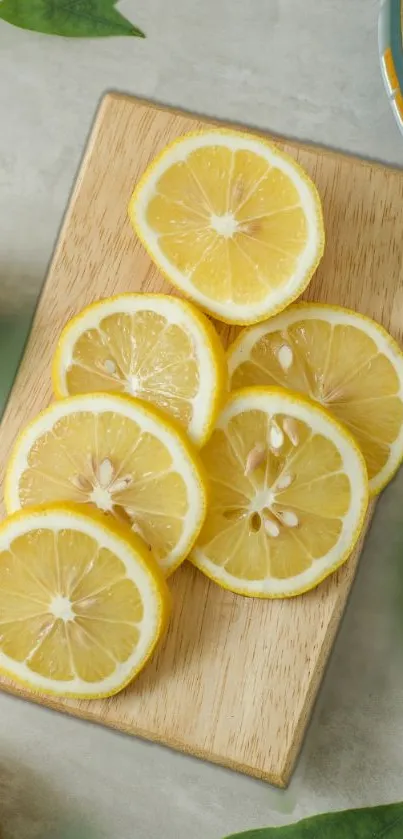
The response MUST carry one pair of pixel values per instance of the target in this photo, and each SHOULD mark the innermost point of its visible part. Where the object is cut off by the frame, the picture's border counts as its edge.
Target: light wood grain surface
(235, 679)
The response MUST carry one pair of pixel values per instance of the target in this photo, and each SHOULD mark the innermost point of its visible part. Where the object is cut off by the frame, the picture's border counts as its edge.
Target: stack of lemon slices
(146, 458)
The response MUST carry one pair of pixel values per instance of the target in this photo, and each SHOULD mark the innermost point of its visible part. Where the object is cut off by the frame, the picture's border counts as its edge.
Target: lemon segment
(289, 492)
(117, 454)
(82, 607)
(341, 359)
(153, 346)
(231, 221)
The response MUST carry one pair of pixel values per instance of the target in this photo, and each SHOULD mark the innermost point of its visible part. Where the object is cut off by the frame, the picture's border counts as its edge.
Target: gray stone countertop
(308, 70)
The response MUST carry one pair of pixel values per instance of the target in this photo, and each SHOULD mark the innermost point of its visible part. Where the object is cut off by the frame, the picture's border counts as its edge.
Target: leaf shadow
(31, 809)
(20, 288)
(19, 292)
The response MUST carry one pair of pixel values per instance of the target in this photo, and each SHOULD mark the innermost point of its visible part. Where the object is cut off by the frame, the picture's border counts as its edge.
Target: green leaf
(70, 18)
(384, 822)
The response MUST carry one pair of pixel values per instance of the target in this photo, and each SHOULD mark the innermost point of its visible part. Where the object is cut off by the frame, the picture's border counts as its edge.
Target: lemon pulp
(232, 221)
(342, 360)
(81, 608)
(289, 490)
(153, 346)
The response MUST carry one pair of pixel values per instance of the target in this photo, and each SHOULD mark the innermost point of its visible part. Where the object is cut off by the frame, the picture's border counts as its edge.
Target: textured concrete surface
(307, 70)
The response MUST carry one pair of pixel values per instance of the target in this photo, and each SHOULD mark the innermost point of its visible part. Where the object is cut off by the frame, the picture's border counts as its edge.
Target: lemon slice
(153, 346)
(121, 455)
(341, 359)
(82, 607)
(231, 221)
(289, 495)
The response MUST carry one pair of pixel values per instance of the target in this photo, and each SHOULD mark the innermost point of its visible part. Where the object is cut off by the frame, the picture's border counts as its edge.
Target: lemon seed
(255, 458)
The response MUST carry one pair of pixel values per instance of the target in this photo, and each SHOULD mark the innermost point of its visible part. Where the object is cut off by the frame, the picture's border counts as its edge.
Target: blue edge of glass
(390, 40)
(395, 35)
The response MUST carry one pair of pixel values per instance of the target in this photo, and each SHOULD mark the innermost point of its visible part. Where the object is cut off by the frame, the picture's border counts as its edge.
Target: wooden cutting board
(236, 679)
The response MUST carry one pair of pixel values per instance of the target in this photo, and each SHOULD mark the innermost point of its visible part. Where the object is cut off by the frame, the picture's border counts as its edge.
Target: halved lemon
(82, 607)
(120, 455)
(154, 346)
(231, 221)
(339, 358)
(289, 495)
